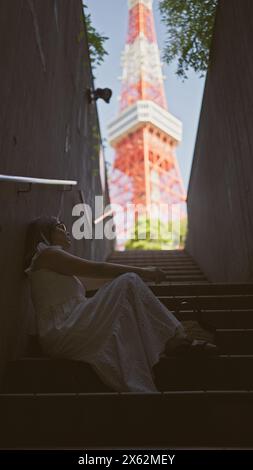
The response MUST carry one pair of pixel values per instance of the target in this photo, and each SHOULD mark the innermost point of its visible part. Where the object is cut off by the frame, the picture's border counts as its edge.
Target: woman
(121, 331)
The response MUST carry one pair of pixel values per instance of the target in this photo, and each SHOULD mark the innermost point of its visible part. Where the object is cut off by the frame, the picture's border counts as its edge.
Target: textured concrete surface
(220, 196)
(48, 129)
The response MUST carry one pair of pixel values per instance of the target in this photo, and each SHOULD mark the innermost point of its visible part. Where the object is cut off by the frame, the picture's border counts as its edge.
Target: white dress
(120, 331)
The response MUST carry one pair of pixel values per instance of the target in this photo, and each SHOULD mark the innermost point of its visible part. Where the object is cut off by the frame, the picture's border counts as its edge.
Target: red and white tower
(144, 134)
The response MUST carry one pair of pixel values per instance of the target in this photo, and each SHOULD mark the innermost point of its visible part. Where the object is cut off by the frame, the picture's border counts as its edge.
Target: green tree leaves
(190, 27)
(153, 234)
(96, 42)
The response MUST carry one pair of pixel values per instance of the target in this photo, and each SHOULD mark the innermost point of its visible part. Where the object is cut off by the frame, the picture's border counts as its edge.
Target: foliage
(190, 27)
(145, 229)
(96, 42)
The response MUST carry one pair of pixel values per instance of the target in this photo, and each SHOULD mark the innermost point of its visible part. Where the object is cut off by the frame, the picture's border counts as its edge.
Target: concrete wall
(220, 196)
(48, 129)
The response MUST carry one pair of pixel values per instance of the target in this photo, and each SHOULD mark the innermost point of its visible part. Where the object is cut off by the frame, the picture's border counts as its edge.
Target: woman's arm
(66, 263)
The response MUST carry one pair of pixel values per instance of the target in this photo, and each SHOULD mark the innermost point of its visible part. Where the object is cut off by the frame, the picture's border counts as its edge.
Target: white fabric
(120, 331)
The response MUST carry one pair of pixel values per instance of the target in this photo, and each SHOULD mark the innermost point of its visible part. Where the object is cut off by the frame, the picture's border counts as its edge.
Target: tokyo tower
(144, 134)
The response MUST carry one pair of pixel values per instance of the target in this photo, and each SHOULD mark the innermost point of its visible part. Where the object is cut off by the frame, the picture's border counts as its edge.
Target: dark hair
(39, 230)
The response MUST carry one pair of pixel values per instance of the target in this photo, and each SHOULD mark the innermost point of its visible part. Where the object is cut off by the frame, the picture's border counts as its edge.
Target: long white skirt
(121, 331)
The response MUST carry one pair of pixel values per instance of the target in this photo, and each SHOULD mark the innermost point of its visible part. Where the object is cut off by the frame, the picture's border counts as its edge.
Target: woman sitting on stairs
(122, 331)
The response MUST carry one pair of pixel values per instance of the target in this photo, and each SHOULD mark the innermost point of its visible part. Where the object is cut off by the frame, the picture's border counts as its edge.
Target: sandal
(201, 347)
(192, 348)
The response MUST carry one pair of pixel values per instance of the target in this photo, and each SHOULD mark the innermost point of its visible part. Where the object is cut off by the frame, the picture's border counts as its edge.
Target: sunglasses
(62, 226)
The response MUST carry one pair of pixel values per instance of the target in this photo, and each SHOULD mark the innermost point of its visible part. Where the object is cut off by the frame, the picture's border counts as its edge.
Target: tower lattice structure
(144, 134)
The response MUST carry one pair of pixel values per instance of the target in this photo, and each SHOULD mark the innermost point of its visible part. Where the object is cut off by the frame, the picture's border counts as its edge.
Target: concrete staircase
(49, 403)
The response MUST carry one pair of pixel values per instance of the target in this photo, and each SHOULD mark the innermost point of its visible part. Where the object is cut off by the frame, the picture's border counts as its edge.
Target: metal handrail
(27, 179)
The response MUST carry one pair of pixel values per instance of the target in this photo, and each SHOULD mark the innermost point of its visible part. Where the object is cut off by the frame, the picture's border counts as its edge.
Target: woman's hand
(154, 274)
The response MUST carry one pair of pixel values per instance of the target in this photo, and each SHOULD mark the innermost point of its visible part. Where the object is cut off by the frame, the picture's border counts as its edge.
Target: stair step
(210, 302)
(194, 290)
(42, 375)
(177, 264)
(162, 264)
(45, 375)
(175, 271)
(200, 290)
(236, 341)
(177, 276)
(220, 318)
(185, 419)
(224, 372)
(148, 253)
(154, 259)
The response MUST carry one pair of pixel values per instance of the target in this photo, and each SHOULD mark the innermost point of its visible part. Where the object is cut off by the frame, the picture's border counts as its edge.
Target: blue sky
(184, 98)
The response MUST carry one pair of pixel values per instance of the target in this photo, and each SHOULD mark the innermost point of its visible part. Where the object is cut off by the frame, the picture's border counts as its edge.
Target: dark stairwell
(47, 402)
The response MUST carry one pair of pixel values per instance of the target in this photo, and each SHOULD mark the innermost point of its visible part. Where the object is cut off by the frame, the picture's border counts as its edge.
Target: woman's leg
(130, 330)
(158, 326)
(122, 331)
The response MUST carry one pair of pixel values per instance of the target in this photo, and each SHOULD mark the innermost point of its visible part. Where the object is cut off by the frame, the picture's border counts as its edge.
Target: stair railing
(41, 181)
